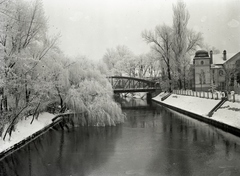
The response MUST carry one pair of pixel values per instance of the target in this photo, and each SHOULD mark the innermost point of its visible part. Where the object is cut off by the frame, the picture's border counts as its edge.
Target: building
(217, 71)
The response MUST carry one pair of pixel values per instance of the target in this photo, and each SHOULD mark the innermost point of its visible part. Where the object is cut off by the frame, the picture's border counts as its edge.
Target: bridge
(123, 84)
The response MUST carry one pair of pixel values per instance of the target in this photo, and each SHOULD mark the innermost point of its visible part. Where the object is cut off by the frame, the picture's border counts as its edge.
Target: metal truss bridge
(123, 84)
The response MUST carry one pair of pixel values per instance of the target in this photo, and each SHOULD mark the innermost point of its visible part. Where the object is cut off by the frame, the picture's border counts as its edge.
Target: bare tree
(232, 75)
(184, 41)
(161, 41)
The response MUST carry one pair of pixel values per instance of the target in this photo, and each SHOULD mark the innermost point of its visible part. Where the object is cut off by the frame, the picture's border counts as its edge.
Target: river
(154, 141)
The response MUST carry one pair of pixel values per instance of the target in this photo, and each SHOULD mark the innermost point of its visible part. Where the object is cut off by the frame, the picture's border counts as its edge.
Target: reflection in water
(153, 141)
(63, 153)
(132, 103)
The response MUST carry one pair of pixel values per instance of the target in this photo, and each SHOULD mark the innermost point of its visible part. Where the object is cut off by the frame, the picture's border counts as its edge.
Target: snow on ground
(229, 113)
(25, 129)
(139, 95)
(201, 106)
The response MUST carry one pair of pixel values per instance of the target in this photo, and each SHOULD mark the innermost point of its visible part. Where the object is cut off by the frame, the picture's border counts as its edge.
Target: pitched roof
(218, 58)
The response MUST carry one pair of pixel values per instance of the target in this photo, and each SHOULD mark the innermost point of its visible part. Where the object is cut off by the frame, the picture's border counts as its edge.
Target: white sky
(89, 27)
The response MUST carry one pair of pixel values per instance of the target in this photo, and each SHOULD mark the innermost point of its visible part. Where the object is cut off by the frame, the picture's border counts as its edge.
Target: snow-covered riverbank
(24, 129)
(228, 114)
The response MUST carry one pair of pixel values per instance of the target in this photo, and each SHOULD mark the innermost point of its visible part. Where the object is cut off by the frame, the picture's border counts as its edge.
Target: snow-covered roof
(216, 66)
(218, 58)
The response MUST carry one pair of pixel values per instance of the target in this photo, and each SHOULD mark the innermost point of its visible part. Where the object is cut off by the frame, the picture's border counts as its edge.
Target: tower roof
(201, 53)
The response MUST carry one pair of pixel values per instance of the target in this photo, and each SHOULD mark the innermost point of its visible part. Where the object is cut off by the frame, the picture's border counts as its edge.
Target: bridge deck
(135, 90)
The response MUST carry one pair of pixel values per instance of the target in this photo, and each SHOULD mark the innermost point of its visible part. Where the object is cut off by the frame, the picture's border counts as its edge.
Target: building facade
(216, 71)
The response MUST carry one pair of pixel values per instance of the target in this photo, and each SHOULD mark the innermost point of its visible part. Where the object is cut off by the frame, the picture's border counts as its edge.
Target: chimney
(224, 55)
(211, 57)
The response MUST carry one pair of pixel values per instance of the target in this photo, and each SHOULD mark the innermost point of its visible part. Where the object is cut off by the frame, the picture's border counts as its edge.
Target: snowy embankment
(24, 129)
(228, 114)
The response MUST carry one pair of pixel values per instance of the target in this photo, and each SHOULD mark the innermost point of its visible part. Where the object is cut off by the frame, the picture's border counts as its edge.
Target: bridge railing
(209, 95)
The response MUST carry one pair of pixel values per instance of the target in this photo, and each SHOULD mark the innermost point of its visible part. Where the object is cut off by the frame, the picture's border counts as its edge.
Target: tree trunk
(60, 97)
(179, 83)
(5, 103)
(169, 78)
(1, 104)
(27, 93)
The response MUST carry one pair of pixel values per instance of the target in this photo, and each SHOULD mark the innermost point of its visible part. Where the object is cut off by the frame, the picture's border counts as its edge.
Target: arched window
(221, 72)
(202, 62)
(202, 77)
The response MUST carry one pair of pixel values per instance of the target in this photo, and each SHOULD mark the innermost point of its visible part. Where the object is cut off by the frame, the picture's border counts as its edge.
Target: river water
(154, 141)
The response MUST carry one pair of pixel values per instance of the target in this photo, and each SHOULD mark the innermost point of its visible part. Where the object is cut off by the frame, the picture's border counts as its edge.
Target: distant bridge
(123, 84)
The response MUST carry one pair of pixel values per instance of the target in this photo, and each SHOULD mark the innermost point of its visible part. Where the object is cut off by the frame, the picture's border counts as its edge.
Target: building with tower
(216, 71)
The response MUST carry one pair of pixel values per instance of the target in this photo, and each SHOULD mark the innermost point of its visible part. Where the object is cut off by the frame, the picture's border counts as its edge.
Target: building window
(231, 80)
(202, 77)
(237, 64)
(213, 76)
(238, 78)
(220, 72)
(202, 62)
(222, 86)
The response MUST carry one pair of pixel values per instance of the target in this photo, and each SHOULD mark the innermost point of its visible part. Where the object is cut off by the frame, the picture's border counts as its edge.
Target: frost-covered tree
(114, 59)
(148, 65)
(35, 74)
(24, 44)
(127, 66)
(91, 95)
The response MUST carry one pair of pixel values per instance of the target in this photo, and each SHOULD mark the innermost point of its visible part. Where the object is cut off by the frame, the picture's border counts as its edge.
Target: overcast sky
(89, 27)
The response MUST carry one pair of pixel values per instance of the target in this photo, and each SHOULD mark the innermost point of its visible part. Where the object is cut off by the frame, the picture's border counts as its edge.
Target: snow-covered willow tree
(91, 95)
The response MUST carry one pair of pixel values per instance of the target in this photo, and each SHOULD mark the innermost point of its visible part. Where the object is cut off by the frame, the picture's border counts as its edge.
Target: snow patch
(229, 113)
(196, 105)
(24, 129)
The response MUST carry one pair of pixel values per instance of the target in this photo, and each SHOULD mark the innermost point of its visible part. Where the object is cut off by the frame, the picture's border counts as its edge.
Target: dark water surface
(154, 141)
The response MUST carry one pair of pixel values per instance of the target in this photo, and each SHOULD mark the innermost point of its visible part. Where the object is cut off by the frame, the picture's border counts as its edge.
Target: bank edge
(28, 139)
(220, 125)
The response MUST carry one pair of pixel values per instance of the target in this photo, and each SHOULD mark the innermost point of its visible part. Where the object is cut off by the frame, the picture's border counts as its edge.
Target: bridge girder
(122, 84)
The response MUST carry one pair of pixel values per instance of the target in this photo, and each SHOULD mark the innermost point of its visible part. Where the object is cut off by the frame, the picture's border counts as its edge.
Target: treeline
(170, 54)
(35, 75)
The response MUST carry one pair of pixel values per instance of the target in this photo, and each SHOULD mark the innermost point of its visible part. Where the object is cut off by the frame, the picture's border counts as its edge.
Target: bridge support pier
(149, 97)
